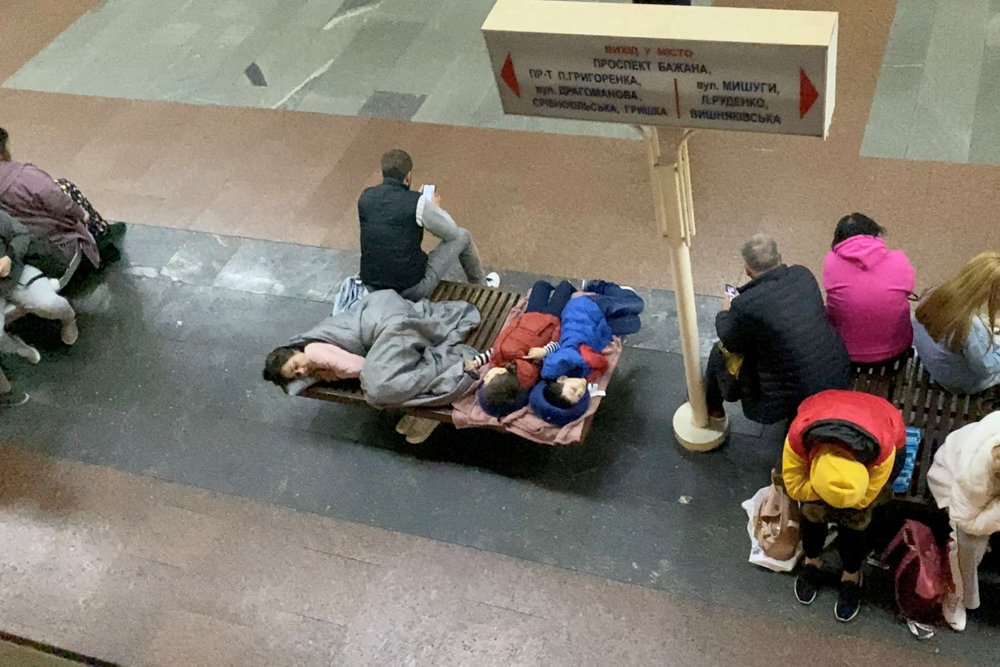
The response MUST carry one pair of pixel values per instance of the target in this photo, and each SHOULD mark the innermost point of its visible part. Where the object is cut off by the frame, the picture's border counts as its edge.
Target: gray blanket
(413, 350)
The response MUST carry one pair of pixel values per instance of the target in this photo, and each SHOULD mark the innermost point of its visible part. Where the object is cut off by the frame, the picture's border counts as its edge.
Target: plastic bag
(757, 555)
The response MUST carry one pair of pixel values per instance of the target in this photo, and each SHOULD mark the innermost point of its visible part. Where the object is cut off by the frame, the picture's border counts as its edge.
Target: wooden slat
(924, 404)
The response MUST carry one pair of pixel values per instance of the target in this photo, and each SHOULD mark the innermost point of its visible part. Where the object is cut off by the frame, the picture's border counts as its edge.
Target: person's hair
(4, 137)
(502, 391)
(553, 394)
(946, 313)
(856, 224)
(760, 253)
(274, 362)
(396, 164)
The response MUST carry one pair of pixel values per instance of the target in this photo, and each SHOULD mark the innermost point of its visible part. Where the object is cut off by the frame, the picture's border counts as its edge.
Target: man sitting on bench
(393, 219)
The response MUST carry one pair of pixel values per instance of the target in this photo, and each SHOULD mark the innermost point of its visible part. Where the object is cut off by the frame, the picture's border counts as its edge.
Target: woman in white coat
(965, 480)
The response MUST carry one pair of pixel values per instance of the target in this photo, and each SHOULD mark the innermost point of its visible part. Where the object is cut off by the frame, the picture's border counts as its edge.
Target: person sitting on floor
(60, 219)
(955, 328)
(393, 219)
(563, 396)
(25, 287)
(778, 325)
(518, 348)
(839, 459)
(867, 291)
(325, 362)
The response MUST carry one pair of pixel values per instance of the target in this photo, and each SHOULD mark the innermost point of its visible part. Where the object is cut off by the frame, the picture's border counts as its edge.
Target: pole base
(695, 438)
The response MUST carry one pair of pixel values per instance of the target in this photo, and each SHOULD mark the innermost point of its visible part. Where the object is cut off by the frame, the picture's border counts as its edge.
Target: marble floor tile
(399, 106)
(289, 270)
(199, 260)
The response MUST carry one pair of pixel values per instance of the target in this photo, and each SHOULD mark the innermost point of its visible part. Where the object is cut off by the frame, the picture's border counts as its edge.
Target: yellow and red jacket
(870, 428)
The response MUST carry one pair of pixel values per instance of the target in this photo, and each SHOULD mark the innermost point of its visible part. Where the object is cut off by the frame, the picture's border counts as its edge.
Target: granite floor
(250, 221)
(938, 96)
(169, 574)
(164, 384)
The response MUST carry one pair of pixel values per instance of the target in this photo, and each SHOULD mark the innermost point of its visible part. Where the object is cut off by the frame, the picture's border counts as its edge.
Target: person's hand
(86, 216)
(4, 266)
(535, 353)
(727, 301)
(436, 197)
(471, 366)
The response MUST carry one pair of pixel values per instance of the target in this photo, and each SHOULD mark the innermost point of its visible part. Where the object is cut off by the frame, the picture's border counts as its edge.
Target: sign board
(753, 70)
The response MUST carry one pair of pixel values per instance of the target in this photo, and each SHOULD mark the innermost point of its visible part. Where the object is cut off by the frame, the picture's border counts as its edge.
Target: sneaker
(70, 332)
(492, 279)
(848, 602)
(13, 398)
(807, 584)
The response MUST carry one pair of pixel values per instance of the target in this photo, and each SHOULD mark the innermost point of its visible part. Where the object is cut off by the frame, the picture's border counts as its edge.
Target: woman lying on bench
(320, 362)
(404, 353)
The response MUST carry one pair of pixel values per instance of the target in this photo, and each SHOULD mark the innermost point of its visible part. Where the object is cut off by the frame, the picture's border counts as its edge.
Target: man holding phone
(776, 346)
(393, 219)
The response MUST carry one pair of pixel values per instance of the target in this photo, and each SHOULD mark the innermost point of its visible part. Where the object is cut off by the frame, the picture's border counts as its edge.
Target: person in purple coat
(59, 218)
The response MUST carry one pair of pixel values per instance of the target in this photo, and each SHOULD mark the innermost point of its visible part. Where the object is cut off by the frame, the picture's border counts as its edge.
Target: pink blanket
(466, 412)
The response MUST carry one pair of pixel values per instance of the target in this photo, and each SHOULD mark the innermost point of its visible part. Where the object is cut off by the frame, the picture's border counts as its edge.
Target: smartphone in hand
(731, 292)
(428, 192)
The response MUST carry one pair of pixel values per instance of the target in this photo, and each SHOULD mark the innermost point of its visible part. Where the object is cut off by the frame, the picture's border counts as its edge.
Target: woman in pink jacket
(867, 291)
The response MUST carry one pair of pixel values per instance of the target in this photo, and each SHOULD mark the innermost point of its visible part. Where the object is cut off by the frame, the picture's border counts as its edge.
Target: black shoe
(807, 584)
(13, 398)
(848, 602)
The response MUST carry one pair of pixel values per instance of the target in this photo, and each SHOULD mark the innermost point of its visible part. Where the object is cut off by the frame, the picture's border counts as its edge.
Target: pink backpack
(920, 570)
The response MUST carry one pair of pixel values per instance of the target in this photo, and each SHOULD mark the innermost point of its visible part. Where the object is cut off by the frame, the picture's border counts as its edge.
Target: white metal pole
(673, 203)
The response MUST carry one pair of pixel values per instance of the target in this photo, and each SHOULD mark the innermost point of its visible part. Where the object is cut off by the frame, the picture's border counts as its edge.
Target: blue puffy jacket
(583, 323)
(621, 306)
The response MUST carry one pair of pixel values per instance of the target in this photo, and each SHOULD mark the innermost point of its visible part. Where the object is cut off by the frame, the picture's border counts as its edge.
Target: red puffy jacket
(841, 415)
(523, 333)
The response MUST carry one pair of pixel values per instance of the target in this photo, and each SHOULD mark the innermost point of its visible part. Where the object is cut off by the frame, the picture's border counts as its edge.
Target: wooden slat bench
(924, 404)
(493, 306)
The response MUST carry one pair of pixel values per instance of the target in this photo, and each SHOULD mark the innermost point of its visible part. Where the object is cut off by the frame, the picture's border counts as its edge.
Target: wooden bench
(493, 306)
(905, 383)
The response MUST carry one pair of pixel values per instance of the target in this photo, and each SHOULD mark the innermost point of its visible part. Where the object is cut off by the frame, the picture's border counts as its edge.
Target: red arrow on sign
(807, 93)
(508, 76)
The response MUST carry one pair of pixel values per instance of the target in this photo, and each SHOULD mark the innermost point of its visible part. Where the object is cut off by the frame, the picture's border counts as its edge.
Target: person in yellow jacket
(838, 460)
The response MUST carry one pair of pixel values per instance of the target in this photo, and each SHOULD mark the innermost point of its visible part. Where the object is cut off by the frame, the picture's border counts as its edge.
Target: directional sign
(753, 70)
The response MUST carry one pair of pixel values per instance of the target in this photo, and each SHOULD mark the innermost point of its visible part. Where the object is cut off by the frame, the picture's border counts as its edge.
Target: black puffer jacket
(791, 351)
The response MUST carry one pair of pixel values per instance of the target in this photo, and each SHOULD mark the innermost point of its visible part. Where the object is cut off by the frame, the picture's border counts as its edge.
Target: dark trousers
(851, 544)
(720, 385)
(544, 298)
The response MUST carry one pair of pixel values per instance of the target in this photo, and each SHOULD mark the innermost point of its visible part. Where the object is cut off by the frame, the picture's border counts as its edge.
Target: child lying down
(546, 356)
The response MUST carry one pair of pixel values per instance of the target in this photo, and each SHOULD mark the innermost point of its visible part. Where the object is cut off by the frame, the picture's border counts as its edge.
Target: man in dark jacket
(778, 324)
(393, 219)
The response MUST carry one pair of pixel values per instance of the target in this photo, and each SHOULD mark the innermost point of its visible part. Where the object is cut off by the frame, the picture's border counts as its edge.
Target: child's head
(284, 364)
(501, 393)
(565, 392)
(560, 401)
